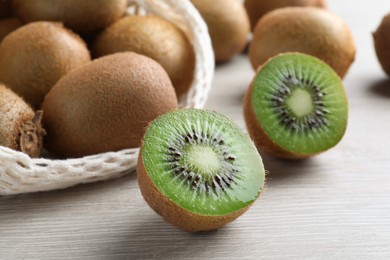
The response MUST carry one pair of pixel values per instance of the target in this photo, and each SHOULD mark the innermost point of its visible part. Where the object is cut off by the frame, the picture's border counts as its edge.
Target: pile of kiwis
(81, 78)
(90, 97)
(77, 98)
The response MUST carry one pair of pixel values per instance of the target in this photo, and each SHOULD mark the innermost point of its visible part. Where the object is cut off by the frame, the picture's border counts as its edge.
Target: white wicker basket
(21, 174)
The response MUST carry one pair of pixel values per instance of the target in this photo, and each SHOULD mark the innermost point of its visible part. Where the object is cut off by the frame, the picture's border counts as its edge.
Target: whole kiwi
(382, 43)
(228, 25)
(257, 8)
(106, 105)
(35, 56)
(5, 8)
(20, 127)
(156, 38)
(80, 16)
(8, 25)
(309, 30)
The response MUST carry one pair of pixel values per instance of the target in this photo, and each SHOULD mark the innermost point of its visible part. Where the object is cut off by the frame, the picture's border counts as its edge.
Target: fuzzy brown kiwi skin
(309, 30)
(106, 105)
(382, 42)
(35, 56)
(256, 9)
(228, 25)
(156, 38)
(80, 16)
(174, 214)
(7, 26)
(20, 126)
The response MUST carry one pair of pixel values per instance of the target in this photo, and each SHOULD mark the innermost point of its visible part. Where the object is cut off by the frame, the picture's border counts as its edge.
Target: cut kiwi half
(296, 106)
(198, 170)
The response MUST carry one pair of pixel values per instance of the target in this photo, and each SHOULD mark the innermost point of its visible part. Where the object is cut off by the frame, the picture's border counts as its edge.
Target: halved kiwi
(198, 170)
(81, 16)
(256, 9)
(309, 30)
(296, 106)
(20, 126)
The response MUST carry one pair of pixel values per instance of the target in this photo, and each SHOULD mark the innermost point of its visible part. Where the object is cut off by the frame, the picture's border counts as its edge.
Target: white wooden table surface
(333, 206)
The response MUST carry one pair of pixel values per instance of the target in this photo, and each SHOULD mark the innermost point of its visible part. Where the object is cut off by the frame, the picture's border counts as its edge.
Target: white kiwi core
(300, 102)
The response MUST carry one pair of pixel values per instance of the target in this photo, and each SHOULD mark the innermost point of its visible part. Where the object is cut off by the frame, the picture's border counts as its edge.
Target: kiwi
(7, 26)
(35, 56)
(156, 38)
(106, 105)
(382, 43)
(198, 170)
(5, 8)
(256, 9)
(309, 30)
(20, 127)
(80, 16)
(228, 25)
(296, 107)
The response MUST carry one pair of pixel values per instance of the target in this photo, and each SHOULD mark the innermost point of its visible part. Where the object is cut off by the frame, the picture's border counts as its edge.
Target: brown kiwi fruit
(80, 16)
(8, 25)
(35, 56)
(256, 9)
(309, 30)
(5, 8)
(20, 127)
(228, 25)
(156, 38)
(106, 105)
(382, 43)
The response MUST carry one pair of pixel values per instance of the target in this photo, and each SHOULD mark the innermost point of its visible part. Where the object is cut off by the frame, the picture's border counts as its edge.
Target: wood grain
(333, 206)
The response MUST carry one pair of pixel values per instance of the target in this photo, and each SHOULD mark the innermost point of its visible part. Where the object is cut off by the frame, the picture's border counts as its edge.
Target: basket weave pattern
(21, 174)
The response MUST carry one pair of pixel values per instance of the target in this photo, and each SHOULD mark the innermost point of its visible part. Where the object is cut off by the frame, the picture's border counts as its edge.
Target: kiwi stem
(31, 134)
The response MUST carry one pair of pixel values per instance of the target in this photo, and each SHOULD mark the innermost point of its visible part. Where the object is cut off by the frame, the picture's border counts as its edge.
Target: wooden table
(333, 206)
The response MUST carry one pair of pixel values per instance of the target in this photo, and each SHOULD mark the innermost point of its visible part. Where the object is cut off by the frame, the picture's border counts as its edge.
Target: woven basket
(21, 174)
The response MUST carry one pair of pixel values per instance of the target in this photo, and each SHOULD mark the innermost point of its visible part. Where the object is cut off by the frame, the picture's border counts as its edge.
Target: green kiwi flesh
(20, 126)
(382, 43)
(81, 16)
(106, 105)
(200, 164)
(296, 106)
